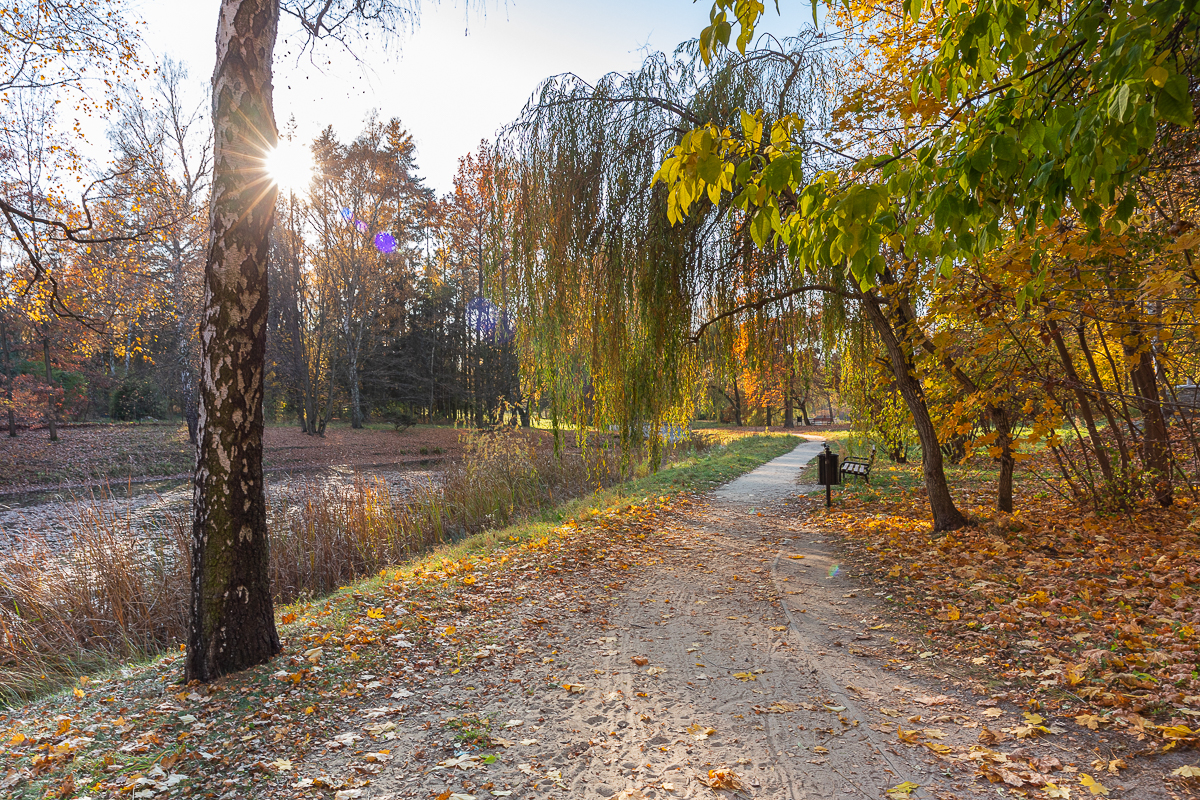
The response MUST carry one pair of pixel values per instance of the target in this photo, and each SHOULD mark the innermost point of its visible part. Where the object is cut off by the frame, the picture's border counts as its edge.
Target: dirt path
(742, 646)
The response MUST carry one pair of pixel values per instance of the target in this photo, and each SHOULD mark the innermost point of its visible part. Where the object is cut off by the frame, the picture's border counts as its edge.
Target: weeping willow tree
(615, 297)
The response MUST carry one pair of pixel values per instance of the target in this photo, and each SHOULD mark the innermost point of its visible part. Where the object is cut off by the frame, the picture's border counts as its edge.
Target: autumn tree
(1020, 119)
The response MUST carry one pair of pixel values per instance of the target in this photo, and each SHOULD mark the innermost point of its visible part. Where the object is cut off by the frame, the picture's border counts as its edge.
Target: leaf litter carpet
(735, 656)
(684, 647)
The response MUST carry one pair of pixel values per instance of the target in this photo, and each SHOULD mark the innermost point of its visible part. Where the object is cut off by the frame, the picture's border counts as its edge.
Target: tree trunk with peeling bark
(232, 624)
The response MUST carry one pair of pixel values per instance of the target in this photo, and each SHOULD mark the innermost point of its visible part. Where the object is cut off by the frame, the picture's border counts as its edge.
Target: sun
(290, 166)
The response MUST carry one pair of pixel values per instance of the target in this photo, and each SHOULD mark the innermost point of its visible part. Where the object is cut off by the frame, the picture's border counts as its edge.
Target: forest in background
(880, 221)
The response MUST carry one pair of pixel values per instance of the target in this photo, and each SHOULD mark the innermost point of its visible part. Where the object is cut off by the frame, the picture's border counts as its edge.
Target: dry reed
(119, 591)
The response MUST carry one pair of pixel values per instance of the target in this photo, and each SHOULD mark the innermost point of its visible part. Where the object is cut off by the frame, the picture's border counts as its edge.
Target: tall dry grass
(107, 595)
(119, 590)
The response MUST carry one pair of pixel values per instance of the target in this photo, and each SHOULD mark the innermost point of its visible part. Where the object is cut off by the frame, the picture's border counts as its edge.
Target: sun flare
(290, 166)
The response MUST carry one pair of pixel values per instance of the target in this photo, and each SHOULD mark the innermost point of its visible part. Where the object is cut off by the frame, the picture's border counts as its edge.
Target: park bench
(821, 420)
(859, 467)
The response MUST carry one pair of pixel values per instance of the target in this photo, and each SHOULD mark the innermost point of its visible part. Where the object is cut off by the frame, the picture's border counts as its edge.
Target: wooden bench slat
(859, 467)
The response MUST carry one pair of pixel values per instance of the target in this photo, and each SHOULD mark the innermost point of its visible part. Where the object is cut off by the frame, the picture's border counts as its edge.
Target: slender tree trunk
(804, 413)
(737, 405)
(946, 516)
(51, 412)
(768, 416)
(1156, 450)
(1085, 406)
(8, 382)
(232, 624)
(1113, 427)
(1002, 422)
(789, 416)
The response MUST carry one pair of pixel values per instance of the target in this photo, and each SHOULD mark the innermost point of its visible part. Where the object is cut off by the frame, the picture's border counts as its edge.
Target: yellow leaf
(940, 749)
(953, 613)
(903, 790)
(1094, 786)
(78, 692)
(1176, 731)
(449, 631)
(1091, 721)
(1187, 771)
(469, 580)
(744, 676)
(375, 613)
(17, 738)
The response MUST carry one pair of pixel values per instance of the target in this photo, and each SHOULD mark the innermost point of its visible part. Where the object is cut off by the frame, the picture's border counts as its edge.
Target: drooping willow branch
(763, 302)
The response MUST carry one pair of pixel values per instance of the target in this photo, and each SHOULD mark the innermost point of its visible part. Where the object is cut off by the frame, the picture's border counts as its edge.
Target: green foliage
(1049, 111)
(136, 398)
(612, 276)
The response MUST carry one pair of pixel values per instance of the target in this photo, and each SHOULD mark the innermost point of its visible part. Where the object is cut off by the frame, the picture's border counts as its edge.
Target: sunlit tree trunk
(946, 516)
(232, 623)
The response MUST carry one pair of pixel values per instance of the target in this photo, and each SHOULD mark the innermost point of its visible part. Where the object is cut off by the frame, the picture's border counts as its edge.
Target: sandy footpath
(742, 646)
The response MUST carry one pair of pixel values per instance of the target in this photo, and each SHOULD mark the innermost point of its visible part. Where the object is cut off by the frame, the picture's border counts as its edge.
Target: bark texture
(946, 516)
(232, 623)
(51, 411)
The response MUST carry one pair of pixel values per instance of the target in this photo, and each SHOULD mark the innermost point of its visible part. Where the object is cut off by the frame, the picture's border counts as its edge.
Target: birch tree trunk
(232, 624)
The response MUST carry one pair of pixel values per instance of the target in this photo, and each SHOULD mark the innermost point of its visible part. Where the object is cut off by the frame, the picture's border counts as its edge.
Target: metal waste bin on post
(827, 473)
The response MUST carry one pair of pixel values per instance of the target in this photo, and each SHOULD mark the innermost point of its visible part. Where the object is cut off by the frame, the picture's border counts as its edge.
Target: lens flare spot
(347, 214)
(385, 242)
(362, 226)
(834, 570)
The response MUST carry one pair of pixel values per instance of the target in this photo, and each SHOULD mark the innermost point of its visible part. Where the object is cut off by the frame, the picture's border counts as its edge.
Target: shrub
(136, 398)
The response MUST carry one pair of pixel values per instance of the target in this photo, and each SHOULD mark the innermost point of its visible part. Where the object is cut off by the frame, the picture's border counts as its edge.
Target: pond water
(51, 517)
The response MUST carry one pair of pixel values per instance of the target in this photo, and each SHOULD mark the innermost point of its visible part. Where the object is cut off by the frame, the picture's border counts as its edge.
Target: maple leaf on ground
(903, 790)
(1092, 785)
(722, 779)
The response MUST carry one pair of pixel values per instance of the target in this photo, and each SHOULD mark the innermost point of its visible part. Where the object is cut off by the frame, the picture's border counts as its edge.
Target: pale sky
(456, 79)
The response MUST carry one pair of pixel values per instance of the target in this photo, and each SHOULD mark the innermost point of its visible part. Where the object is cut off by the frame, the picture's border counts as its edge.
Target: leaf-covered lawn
(1064, 608)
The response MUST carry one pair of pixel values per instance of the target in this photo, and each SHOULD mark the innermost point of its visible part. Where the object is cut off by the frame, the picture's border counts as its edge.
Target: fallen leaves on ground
(389, 638)
(722, 779)
(1064, 604)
